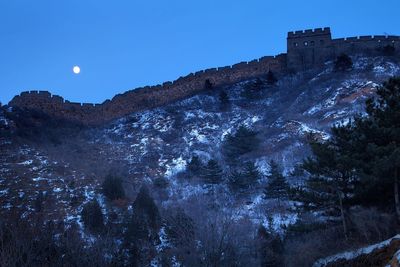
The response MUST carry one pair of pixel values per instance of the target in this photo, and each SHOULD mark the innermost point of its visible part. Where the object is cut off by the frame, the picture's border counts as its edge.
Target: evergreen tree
(271, 79)
(195, 166)
(251, 173)
(332, 177)
(212, 172)
(92, 216)
(277, 187)
(237, 181)
(243, 141)
(39, 202)
(142, 229)
(224, 100)
(343, 63)
(378, 142)
(252, 89)
(112, 188)
(242, 180)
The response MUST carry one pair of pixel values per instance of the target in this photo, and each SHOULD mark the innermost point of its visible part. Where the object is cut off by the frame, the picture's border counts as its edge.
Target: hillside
(56, 166)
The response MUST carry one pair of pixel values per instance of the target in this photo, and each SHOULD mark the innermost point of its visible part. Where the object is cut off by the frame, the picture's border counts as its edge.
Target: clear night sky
(121, 45)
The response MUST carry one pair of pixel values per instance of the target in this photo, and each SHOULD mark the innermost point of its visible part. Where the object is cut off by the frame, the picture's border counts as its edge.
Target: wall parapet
(316, 44)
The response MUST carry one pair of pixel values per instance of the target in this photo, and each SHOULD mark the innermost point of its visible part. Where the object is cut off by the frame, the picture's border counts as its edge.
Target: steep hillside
(56, 168)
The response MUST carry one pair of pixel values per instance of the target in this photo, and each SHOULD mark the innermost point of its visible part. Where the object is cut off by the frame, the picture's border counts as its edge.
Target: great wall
(305, 49)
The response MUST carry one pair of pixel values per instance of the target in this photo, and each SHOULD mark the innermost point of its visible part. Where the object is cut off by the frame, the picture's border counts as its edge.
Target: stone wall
(309, 48)
(305, 49)
(149, 96)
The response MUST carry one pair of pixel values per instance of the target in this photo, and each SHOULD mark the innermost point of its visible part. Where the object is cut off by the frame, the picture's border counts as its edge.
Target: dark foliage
(277, 187)
(195, 166)
(270, 248)
(180, 229)
(243, 141)
(142, 229)
(239, 181)
(36, 126)
(212, 173)
(208, 85)
(224, 101)
(39, 202)
(343, 63)
(271, 79)
(112, 188)
(389, 50)
(253, 89)
(161, 182)
(92, 216)
(32, 242)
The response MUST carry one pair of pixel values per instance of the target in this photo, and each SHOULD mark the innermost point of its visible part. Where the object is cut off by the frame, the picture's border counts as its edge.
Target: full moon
(76, 69)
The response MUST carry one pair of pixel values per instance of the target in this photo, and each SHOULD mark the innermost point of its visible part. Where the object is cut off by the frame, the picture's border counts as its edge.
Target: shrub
(112, 188)
(252, 89)
(92, 216)
(208, 85)
(223, 100)
(343, 63)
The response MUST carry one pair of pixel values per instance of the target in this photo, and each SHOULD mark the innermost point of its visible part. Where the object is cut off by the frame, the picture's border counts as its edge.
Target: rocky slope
(67, 166)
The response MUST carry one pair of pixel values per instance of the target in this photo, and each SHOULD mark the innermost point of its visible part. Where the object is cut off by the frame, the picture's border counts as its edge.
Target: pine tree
(224, 101)
(92, 216)
(112, 188)
(252, 89)
(379, 143)
(39, 202)
(277, 187)
(243, 141)
(332, 178)
(251, 173)
(239, 181)
(212, 172)
(195, 166)
(142, 229)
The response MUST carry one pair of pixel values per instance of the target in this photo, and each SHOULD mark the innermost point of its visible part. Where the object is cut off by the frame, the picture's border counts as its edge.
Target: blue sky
(124, 44)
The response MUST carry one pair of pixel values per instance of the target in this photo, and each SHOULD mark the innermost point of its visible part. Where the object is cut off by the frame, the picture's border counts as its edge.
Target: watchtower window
(295, 44)
(305, 43)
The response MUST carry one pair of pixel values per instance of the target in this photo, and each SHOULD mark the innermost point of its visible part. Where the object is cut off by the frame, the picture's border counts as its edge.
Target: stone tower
(308, 48)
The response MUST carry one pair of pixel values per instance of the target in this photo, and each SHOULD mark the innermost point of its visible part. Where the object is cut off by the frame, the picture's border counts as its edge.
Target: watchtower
(308, 48)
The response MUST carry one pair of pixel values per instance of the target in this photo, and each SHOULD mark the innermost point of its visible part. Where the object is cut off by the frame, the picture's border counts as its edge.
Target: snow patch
(348, 255)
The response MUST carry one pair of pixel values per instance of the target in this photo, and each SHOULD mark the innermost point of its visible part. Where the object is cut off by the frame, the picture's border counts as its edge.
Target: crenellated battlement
(305, 49)
(309, 32)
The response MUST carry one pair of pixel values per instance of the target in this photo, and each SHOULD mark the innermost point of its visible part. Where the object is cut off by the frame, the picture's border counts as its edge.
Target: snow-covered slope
(160, 142)
(351, 258)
